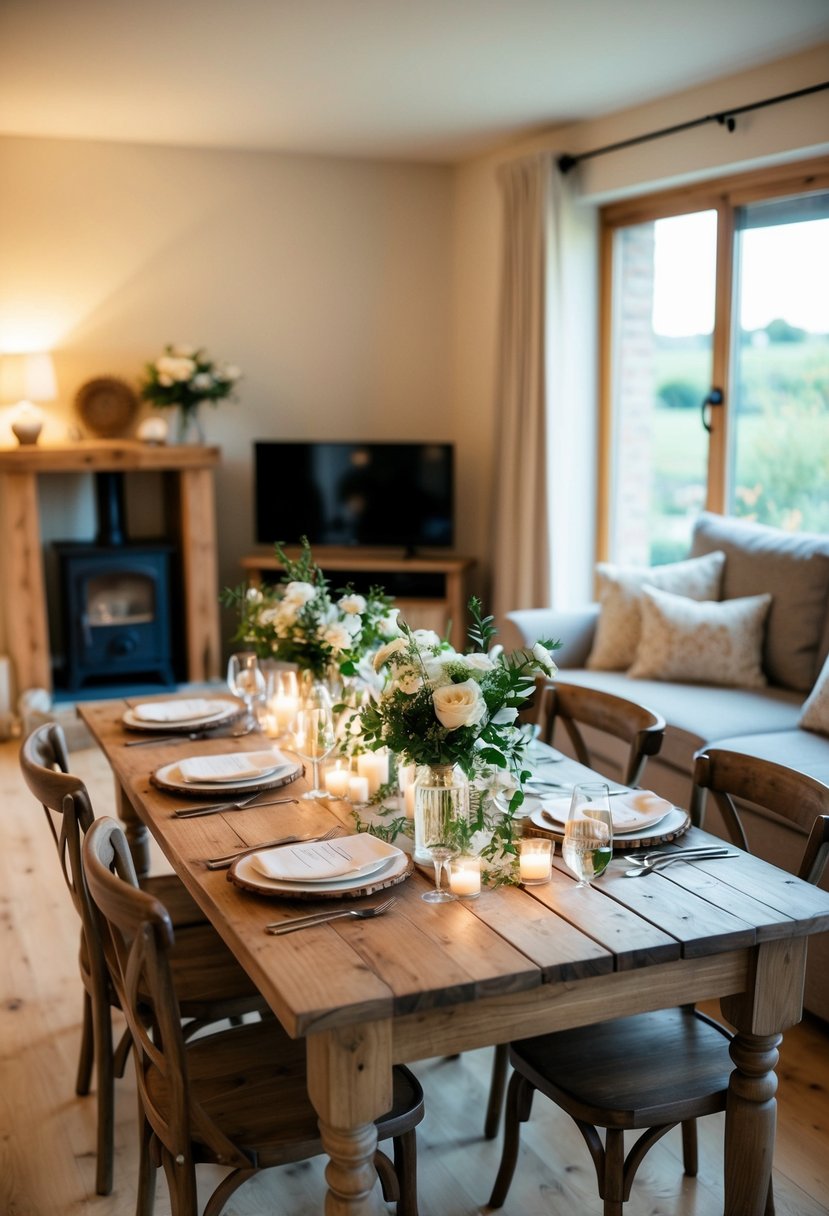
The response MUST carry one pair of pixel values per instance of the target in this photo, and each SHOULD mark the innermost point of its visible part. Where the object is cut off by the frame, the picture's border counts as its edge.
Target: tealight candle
(336, 781)
(536, 860)
(358, 789)
(374, 766)
(465, 876)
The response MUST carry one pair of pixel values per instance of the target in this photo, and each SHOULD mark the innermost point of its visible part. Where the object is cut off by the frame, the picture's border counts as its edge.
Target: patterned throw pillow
(815, 712)
(705, 643)
(620, 593)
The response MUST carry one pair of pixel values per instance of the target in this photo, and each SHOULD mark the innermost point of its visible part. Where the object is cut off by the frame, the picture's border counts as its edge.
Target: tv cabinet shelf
(430, 592)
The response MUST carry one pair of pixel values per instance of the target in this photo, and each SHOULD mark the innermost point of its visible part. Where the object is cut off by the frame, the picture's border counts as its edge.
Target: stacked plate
(635, 815)
(326, 867)
(173, 716)
(227, 772)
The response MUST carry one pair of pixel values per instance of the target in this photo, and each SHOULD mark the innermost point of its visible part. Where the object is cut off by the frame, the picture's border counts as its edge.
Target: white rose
(426, 639)
(436, 671)
(459, 705)
(385, 652)
(353, 625)
(542, 656)
(409, 681)
(299, 593)
(253, 595)
(387, 626)
(178, 369)
(478, 661)
(337, 637)
(352, 604)
(202, 382)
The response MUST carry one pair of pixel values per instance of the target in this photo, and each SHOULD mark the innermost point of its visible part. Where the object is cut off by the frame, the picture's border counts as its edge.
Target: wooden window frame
(723, 195)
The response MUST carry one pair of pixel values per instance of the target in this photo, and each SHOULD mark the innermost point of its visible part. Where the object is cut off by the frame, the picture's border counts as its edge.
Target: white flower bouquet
(184, 377)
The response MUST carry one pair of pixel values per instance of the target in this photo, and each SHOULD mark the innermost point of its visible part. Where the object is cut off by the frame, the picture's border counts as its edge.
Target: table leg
(772, 1001)
(137, 834)
(350, 1085)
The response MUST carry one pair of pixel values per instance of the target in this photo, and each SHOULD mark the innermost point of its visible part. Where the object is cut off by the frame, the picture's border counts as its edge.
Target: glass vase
(440, 790)
(189, 427)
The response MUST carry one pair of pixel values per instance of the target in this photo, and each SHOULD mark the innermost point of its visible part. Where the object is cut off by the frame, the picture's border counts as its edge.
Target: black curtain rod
(726, 118)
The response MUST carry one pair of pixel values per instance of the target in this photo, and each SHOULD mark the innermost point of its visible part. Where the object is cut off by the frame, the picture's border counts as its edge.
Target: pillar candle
(358, 789)
(409, 800)
(336, 781)
(375, 767)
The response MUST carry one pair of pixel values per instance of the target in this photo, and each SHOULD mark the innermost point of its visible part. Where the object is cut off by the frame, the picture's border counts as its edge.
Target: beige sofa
(763, 721)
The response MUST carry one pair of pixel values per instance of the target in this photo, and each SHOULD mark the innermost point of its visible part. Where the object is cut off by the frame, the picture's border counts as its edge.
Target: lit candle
(465, 876)
(272, 729)
(405, 776)
(374, 766)
(536, 860)
(409, 800)
(284, 709)
(336, 781)
(358, 789)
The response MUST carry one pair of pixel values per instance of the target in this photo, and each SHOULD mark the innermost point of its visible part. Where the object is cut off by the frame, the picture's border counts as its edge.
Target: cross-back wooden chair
(575, 707)
(217, 987)
(654, 1070)
(236, 1097)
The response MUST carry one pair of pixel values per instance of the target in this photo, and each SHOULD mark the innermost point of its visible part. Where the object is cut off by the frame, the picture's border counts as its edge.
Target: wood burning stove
(115, 597)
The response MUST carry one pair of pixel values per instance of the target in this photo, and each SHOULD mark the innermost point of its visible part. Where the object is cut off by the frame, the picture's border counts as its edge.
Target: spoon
(662, 863)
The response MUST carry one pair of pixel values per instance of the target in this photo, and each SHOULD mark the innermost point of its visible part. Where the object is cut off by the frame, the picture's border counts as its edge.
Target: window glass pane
(663, 318)
(779, 436)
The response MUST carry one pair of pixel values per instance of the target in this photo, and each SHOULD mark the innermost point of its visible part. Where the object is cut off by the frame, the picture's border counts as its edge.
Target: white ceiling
(419, 79)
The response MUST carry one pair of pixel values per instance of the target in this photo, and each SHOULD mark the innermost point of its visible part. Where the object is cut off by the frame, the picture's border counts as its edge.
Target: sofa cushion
(794, 569)
(697, 714)
(718, 643)
(620, 592)
(815, 712)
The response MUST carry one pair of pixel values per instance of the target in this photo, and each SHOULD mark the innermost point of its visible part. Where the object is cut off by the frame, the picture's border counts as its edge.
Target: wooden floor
(47, 1134)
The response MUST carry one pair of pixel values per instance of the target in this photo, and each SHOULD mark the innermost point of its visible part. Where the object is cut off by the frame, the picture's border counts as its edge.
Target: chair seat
(251, 1081)
(654, 1068)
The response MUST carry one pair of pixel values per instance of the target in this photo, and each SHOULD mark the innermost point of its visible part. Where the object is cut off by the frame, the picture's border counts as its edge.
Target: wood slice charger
(107, 406)
(680, 824)
(399, 874)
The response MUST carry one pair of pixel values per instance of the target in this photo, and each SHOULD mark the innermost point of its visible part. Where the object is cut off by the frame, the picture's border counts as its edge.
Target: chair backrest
(575, 706)
(137, 935)
(784, 791)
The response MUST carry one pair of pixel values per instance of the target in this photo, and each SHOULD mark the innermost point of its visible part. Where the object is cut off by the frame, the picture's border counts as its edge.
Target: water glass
(588, 833)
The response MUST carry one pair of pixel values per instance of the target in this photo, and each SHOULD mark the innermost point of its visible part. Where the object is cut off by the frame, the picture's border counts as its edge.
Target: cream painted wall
(790, 131)
(328, 281)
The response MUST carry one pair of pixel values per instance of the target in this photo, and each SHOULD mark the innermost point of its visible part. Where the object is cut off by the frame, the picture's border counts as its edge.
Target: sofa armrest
(574, 629)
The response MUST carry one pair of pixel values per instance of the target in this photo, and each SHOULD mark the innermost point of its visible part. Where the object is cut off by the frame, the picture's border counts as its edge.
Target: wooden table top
(423, 957)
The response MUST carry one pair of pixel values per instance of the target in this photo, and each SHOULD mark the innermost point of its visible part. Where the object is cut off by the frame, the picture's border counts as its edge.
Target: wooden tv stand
(430, 592)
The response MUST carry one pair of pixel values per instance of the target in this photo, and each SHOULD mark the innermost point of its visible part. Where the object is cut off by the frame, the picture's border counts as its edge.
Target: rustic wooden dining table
(435, 979)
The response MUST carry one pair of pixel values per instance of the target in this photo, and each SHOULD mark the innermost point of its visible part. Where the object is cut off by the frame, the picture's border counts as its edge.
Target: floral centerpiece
(442, 710)
(299, 620)
(183, 377)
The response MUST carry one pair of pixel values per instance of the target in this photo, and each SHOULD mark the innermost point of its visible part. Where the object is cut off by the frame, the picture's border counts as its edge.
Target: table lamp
(27, 379)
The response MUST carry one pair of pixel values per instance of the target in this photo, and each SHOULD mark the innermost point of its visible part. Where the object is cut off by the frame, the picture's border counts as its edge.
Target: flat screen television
(391, 495)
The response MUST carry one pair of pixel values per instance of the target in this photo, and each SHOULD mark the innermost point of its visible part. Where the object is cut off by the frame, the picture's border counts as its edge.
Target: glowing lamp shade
(26, 379)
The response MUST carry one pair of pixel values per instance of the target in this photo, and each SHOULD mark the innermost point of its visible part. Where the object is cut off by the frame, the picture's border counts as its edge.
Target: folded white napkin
(233, 766)
(325, 859)
(629, 812)
(175, 711)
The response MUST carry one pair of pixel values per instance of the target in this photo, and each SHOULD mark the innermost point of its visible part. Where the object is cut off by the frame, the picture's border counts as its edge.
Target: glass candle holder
(535, 861)
(465, 876)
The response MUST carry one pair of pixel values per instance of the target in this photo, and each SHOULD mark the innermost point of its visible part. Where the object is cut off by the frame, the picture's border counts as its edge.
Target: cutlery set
(322, 918)
(186, 736)
(226, 860)
(216, 808)
(651, 863)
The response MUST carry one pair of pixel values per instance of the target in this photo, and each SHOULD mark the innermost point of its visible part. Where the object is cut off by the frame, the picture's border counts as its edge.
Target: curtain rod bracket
(728, 121)
(566, 162)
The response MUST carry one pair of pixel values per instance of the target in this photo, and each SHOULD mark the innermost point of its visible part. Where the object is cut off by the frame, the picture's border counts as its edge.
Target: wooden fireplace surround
(189, 495)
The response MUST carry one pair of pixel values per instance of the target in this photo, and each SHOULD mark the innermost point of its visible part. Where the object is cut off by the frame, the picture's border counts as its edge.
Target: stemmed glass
(588, 833)
(437, 841)
(246, 680)
(313, 736)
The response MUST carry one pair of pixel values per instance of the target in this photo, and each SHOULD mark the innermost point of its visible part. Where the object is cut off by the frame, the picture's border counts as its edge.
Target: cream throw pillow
(620, 593)
(815, 712)
(705, 643)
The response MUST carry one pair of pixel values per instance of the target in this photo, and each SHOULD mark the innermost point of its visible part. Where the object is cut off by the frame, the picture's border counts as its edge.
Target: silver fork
(187, 736)
(216, 808)
(223, 862)
(662, 863)
(322, 918)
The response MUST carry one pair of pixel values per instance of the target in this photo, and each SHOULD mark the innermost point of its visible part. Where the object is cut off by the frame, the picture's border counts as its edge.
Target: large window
(716, 353)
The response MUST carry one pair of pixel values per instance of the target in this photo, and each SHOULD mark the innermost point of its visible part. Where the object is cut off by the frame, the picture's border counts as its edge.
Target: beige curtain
(521, 537)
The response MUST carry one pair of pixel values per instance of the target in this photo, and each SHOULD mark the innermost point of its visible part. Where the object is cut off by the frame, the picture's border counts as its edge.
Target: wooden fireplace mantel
(189, 469)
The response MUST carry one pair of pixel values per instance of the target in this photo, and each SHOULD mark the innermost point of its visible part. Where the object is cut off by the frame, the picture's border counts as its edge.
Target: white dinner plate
(169, 777)
(223, 711)
(248, 876)
(316, 861)
(671, 821)
(231, 767)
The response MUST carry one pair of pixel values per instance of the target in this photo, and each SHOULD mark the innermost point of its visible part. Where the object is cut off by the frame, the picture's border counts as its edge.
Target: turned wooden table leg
(771, 1002)
(137, 835)
(350, 1085)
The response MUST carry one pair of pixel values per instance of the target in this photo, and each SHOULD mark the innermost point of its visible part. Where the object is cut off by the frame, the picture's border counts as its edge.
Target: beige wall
(328, 281)
(790, 131)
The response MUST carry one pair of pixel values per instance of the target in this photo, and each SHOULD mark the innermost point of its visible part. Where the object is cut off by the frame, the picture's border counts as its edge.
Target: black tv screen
(383, 494)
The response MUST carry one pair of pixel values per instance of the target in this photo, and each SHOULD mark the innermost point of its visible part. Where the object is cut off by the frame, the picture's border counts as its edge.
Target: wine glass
(246, 680)
(588, 833)
(313, 737)
(437, 840)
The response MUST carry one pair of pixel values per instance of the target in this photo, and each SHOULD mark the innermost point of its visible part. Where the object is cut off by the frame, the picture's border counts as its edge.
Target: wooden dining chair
(576, 707)
(236, 1097)
(655, 1070)
(216, 985)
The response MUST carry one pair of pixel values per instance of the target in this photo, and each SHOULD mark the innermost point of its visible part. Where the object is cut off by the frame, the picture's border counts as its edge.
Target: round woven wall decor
(107, 405)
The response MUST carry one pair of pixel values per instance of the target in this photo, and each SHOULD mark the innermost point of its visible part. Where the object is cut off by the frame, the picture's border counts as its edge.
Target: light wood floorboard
(47, 1134)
